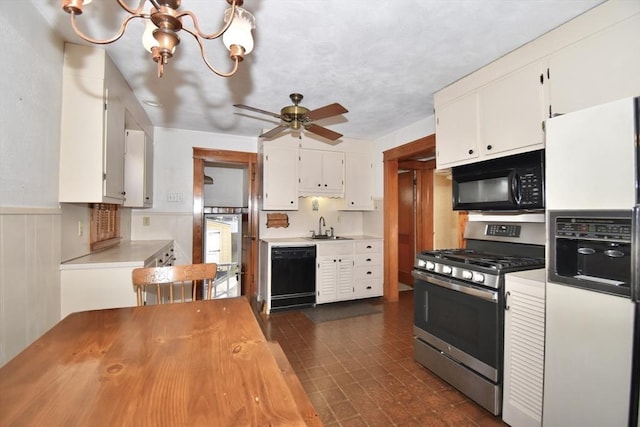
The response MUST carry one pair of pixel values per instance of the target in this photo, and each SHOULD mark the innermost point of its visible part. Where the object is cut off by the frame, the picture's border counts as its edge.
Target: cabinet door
(326, 279)
(114, 145)
(523, 351)
(512, 112)
(280, 178)
(345, 288)
(457, 131)
(333, 172)
(358, 192)
(601, 68)
(310, 171)
(138, 170)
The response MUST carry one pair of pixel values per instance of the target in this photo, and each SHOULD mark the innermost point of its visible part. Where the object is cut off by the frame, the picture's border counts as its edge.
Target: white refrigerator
(592, 360)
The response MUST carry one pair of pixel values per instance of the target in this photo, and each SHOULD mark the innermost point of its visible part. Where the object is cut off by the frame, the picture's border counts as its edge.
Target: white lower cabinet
(524, 348)
(334, 272)
(348, 270)
(97, 281)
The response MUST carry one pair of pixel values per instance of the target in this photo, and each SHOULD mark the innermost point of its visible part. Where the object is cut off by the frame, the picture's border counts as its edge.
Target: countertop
(308, 241)
(131, 253)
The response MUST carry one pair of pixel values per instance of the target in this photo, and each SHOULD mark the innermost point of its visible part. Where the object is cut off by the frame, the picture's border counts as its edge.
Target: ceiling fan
(296, 116)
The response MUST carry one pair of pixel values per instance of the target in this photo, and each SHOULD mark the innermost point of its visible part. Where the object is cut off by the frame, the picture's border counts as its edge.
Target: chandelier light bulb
(239, 32)
(148, 41)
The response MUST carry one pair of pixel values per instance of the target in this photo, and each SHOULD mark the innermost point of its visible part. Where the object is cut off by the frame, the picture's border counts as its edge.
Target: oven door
(463, 321)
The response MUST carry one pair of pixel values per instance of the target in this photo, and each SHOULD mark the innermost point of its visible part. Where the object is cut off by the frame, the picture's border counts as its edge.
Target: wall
(229, 186)
(30, 226)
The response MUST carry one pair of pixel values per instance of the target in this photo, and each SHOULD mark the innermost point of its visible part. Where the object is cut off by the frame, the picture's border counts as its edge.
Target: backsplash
(305, 219)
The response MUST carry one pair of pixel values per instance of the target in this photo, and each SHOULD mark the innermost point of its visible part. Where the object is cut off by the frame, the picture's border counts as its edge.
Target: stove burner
(482, 259)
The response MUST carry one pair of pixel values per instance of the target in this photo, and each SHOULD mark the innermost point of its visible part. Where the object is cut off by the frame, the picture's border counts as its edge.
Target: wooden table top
(199, 363)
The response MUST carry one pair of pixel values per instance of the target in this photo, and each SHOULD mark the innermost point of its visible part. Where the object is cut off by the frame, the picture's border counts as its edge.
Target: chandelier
(164, 22)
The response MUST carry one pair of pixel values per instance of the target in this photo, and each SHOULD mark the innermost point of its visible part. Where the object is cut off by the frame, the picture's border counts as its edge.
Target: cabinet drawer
(367, 272)
(368, 246)
(368, 288)
(367, 259)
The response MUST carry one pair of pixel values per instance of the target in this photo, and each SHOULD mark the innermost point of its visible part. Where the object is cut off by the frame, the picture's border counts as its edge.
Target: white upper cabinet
(502, 118)
(279, 177)
(92, 128)
(321, 173)
(601, 68)
(138, 172)
(499, 110)
(358, 192)
(457, 131)
(512, 113)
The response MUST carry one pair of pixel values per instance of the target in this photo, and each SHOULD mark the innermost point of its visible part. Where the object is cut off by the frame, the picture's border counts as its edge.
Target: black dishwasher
(293, 277)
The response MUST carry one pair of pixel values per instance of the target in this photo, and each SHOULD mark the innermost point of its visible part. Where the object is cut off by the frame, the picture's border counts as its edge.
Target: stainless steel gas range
(459, 305)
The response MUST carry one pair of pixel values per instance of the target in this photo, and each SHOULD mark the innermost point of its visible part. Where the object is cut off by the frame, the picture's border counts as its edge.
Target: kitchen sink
(325, 237)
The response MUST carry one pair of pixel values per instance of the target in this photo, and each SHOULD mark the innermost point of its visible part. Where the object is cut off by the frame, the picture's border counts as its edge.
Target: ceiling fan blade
(273, 132)
(257, 110)
(326, 111)
(323, 132)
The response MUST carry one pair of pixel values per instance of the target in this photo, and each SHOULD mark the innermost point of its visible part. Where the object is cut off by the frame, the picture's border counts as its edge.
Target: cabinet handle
(291, 202)
(368, 272)
(319, 185)
(506, 302)
(489, 147)
(470, 151)
(368, 287)
(368, 259)
(369, 246)
(325, 185)
(352, 203)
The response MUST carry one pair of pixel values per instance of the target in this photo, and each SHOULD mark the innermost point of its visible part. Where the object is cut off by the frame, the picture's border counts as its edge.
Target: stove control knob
(478, 277)
(446, 269)
(421, 263)
(467, 275)
(431, 265)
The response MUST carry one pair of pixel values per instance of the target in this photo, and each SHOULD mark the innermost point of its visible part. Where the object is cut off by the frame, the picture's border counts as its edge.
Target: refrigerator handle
(635, 254)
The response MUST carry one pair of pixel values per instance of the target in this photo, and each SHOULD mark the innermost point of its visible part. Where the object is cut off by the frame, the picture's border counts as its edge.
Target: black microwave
(513, 183)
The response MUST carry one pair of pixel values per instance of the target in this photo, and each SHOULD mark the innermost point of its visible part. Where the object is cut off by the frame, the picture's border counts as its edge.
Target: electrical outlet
(146, 221)
(80, 228)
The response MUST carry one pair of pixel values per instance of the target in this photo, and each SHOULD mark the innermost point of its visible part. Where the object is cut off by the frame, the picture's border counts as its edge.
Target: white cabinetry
(138, 171)
(321, 173)
(103, 280)
(512, 113)
(502, 118)
(457, 131)
(334, 262)
(368, 268)
(524, 348)
(279, 177)
(601, 68)
(358, 193)
(92, 128)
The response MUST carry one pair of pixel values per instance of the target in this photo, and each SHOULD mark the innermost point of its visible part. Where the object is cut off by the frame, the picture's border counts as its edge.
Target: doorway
(419, 157)
(406, 225)
(203, 157)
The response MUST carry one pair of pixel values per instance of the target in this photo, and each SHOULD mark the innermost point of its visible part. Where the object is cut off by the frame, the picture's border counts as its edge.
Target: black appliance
(591, 250)
(513, 183)
(293, 277)
(459, 305)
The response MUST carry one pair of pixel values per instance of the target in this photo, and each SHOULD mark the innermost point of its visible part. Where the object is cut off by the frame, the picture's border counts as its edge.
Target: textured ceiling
(382, 60)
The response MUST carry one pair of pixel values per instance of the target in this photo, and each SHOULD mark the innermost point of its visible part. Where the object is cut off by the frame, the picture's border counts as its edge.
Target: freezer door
(590, 158)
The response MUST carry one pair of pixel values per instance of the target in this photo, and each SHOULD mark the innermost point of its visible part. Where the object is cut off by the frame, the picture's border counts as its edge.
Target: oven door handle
(476, 292)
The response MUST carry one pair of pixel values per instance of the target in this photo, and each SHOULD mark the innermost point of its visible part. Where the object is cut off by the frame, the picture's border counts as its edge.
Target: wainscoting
(30, 242)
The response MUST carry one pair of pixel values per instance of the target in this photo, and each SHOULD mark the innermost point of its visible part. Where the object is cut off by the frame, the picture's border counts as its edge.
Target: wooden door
(406, 229)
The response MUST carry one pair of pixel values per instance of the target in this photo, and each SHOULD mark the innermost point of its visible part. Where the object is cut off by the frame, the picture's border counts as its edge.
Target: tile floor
(360, 371)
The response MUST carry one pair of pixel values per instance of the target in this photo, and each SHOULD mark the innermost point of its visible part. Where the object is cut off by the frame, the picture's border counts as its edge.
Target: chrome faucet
(321, 223)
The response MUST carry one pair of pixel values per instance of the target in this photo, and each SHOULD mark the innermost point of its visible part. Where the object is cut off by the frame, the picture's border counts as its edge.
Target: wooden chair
(163, 280)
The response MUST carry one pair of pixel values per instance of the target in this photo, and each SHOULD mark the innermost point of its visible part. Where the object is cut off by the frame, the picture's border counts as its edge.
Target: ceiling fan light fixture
(164, 21)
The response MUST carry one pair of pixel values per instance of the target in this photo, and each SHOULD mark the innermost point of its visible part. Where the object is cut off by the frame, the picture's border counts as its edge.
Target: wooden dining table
(188, 364)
